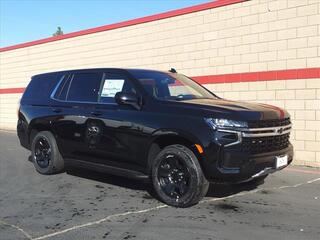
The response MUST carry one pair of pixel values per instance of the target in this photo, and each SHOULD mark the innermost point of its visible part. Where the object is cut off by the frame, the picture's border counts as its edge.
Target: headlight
(225, 123)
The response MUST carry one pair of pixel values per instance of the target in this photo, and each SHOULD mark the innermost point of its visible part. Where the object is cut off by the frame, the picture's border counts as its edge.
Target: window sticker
(111, 87)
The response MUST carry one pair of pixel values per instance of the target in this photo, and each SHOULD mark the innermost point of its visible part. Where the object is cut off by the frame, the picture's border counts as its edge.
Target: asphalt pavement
(86, 205)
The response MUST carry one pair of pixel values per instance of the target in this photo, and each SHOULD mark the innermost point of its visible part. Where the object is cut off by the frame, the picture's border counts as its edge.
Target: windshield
(170, 86)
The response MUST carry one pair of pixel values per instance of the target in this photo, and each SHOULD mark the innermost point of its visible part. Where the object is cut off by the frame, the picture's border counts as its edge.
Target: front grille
(269, 123)
(257, 145)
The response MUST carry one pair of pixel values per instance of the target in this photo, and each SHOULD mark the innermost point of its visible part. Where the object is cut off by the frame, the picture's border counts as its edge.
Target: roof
(98, 70)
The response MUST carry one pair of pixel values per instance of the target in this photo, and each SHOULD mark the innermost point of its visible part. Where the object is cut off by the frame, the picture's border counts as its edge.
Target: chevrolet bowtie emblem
(280, 130)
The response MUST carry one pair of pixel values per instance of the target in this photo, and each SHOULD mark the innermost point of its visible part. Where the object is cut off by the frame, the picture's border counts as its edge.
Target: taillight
(18, 108)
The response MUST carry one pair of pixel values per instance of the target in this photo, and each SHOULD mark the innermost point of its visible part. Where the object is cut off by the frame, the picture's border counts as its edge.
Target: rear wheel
(45, 154)
(178, 178)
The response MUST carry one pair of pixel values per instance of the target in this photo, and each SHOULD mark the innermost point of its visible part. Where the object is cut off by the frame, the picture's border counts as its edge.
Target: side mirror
(123, 98)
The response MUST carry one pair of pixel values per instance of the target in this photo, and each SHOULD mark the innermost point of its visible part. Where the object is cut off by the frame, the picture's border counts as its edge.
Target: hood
(235, 110)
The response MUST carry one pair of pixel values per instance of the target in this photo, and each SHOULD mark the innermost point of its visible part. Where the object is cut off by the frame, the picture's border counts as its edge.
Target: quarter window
(62, 89)
(41, 86)
(84, 87)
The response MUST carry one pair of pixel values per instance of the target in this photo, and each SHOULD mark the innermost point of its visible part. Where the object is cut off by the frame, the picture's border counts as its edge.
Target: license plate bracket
(281, 161)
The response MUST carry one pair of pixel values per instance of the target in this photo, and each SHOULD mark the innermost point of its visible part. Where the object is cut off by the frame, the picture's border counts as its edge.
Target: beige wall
(258, 35)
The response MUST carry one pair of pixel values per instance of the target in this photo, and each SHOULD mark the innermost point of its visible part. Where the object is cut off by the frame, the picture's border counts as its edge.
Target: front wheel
(177, 177)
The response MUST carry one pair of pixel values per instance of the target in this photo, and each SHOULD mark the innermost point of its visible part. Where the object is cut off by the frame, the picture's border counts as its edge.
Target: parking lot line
(163, 206)
(99, 221)
(17, 228)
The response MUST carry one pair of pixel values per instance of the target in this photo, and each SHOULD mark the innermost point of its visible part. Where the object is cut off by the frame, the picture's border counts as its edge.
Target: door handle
(57, 110)
(96, 113)
(93, 130)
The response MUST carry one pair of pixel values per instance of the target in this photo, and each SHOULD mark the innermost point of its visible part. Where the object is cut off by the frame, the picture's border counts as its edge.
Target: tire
(177, 177)
(45, 154)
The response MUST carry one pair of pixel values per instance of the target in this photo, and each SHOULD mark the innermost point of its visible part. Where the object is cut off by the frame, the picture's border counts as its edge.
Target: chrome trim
(70, 83)
(268, 128)
(231, 131)
(257, 132)
(265, 171)
(56, 88)
(266, 132)
(84, 102)
(67, 101)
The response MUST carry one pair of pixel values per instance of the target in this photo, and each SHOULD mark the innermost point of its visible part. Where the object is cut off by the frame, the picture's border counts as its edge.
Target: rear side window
(84, 87)
(41, 86)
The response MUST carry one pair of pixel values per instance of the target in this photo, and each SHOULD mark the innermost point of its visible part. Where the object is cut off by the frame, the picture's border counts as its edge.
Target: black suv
(150, 124)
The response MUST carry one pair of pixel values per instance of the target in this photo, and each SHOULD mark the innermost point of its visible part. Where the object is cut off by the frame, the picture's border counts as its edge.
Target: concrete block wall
(260, 50)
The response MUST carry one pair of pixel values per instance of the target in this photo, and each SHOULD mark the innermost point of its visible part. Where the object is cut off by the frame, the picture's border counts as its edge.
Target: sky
(27, 20)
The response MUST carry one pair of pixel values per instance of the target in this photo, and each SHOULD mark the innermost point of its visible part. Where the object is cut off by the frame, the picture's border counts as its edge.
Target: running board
(75, 163)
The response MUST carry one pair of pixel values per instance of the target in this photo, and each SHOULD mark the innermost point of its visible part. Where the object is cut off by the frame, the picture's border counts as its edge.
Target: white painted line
(230, 196)
(297, 185)
(99, 221)
(284, 187)
(314, 180)
(149, 210)
(16, 227)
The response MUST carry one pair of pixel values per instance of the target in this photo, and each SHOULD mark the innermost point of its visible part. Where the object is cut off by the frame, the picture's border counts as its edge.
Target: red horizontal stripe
(11, 90)
(292, 74)
(174, 13)
(291, 169)
(266, 76)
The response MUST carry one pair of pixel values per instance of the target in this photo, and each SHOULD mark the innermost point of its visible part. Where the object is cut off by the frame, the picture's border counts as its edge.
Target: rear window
(41, 86)
(84, 87)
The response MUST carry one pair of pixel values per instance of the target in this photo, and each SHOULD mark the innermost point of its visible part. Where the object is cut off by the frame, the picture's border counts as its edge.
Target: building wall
(260, 50)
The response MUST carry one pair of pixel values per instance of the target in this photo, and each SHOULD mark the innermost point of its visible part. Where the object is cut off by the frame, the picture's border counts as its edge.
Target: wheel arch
(165, 138)
(36, 127)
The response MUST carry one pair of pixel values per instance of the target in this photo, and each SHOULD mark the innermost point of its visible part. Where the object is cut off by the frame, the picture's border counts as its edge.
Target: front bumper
(232, 165)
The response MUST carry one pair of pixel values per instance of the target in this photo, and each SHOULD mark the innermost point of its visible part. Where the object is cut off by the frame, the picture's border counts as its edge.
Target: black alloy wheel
(45, 154)
(177, 176)
(174, 177)
(42, 152)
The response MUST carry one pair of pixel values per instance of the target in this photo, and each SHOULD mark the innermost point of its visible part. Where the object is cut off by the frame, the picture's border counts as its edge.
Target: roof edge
(151, 18)
(284, 74)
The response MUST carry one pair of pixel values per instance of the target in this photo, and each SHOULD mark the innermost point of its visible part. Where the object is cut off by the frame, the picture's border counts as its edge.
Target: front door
(116, 134)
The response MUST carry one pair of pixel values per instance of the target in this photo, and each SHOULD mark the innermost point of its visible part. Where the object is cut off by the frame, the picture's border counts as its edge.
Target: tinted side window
(65, 88)
(84, 87)
(155, 83)
(113, 83)
(61, 92)
(41, 86)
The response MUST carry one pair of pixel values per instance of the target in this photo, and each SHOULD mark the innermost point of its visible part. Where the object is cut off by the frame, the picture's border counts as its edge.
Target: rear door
(74, 102)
